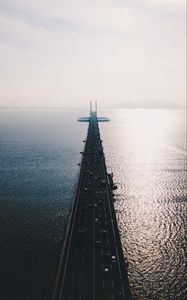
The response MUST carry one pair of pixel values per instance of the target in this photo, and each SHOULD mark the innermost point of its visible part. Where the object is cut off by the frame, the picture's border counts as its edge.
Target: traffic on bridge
(92, 266)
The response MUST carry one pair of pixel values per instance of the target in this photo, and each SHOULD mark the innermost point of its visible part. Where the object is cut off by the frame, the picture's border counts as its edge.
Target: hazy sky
(67, 52)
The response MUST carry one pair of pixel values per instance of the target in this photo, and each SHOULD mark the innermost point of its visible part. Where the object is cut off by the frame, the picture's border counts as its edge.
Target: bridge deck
(92, 265)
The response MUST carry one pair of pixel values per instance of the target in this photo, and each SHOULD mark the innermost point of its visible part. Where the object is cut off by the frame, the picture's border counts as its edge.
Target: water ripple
(151, 202)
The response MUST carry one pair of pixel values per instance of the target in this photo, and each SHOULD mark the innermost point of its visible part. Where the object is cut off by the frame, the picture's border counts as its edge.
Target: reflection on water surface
(145, 149)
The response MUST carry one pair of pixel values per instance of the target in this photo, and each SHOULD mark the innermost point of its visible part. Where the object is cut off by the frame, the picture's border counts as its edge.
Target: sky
(68, 52)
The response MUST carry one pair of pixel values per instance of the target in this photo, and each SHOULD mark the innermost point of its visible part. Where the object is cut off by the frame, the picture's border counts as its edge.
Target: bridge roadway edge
(69, 228)
(118, 242)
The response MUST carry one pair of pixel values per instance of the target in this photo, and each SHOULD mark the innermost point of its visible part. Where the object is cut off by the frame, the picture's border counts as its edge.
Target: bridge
(92, 265)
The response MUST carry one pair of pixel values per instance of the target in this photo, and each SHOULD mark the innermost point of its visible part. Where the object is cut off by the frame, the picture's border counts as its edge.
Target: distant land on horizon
(127, 104)
(147, 104)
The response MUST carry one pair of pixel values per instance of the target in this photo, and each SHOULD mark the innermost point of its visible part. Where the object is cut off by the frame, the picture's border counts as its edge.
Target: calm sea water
(39, 152)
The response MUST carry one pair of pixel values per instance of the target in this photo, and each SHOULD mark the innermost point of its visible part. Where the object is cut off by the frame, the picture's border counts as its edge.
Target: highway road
(92, 265)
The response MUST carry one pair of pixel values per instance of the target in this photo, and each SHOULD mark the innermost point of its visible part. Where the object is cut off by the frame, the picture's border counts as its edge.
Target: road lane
(93, 264)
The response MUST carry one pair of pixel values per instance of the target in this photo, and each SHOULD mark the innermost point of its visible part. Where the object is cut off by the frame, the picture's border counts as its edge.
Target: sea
(39, 155)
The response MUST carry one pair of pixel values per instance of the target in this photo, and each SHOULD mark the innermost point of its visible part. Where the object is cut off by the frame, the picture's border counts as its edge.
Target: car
(103, 182)
(96, 220)
(113, 258)
(98, 243)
